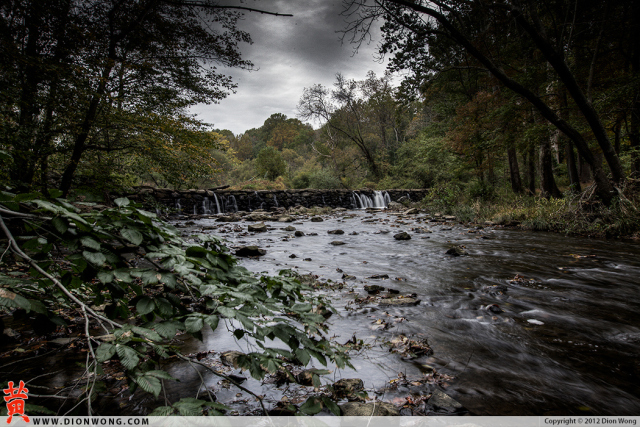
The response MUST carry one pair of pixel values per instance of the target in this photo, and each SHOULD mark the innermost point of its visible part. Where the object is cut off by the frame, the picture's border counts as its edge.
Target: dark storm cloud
(291, 53)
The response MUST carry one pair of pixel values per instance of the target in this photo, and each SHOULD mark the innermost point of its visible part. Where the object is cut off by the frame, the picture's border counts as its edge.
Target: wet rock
(401, 300)
(440, 400)
(307, 259)
(378, 276)
(456, 251)
(230, 358)
(495, 308)
(394, 206)
(353, 233)
(402, 236)
(313, 234)
(316, 219)
(290, 228)
(335, 232)
(348, 277)
(347, 387)
(248, 251)
(412, 211)
(376, 409)
(298, 233)
(293, 256)
(258, 228)
(373, 289)
(337, 243)
(449, 218)
(285, 218)
(256, 217)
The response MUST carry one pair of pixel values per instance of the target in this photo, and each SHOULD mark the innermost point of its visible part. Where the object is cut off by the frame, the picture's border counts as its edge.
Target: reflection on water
(564, 337)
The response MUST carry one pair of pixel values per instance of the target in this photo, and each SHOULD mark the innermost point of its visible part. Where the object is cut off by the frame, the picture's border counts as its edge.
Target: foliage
(142, 270)
(270, 164)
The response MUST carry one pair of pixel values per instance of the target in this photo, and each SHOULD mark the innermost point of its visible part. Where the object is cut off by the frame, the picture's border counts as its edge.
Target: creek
(528, 323)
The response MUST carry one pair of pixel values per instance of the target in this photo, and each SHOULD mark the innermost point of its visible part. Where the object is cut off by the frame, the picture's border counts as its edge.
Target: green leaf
(147, 333)
(150, 384)
(90, 243)
(227, 312)
(13, 300)
(162, 411)
(128, 356)
(169, 280)
(145, 305)
(122, 202)
(161, 374)
(164, 306)
(194, 324)
(95, 258)
(312, 406)
(132, 236)
(303, 356)
(105, 352)
(105, 276)
(331, 405)
(60, 225)
(212, 321)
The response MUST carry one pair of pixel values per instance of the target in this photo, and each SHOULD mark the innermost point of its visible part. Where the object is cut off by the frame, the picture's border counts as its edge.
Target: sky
(291, 53)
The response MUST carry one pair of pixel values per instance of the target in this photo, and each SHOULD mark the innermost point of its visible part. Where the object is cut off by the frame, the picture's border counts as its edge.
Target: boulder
(402, 236)
(440, 400)
(394, 206)
(316, 219)
(258, 228)
(456, 251)
(335, 232)
(412, 211)
(347, 387)
(373, 289)
(298, 233)
(248, 251)
(376, 409)
(285, 218)
(290, 228)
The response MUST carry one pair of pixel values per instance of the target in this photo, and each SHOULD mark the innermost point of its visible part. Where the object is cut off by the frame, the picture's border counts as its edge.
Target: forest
(510, 112)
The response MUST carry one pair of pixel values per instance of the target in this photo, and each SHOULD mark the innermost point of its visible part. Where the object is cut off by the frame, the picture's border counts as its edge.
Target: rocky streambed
(444, 317)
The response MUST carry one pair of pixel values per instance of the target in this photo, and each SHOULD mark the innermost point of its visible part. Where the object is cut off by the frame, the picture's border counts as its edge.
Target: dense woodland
(515, 111)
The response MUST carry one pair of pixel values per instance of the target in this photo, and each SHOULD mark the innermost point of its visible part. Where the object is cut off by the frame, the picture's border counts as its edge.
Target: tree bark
(514, 171)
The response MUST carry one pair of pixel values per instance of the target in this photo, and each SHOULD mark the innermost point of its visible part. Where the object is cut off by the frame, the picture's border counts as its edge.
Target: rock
(456, 251)
(378, 276)
(258, 228)
(285, 218)
(290, 228)
(376, 409)
(441, 400)
(399, 301)
(337, 243)
(228, 218)
(353, 233)
(298, 233)
(247, 251)
(402, 236)
(394, 206)
(449, 218)
(306, 377)
(316, 219)
(346, 276)
(412, 211)
(335, 232)
(347, 387)
(230, 358)
(373, 289)
(293, 256)
(256, 217)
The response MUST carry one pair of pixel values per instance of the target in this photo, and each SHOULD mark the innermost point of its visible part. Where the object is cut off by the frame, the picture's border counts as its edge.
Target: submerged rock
(335, 232)
(337, 243)
(373, 289)
(401, 300)
(247, 251)
(402, 236)
(376, 409)
(456, 251)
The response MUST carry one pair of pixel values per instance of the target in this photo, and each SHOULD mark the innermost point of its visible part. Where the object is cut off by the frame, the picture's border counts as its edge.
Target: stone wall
(210, 202)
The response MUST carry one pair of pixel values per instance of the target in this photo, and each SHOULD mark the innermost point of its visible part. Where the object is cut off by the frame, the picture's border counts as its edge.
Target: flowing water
(566, 342)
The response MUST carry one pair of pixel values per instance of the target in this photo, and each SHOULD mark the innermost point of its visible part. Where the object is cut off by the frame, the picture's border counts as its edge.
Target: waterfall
(275, 200)
(387, 198)
(323, 202)
(206, 206)
(379, 200)
(217, 204)
(195, 210)
(178, 207)
(232, 201)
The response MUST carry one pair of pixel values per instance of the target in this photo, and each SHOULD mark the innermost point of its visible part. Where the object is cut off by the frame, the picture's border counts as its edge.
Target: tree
(484, 30)
(270, 163)
(77, 76)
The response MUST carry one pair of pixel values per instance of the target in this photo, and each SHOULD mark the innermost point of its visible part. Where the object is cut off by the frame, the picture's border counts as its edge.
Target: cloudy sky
(291, 53)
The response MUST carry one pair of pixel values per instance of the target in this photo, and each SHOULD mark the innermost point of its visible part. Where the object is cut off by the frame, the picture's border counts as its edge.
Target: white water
(380, 200)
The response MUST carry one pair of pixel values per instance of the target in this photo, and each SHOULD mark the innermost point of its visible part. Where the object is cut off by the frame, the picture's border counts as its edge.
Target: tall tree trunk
(531, 170)
(574, 178)
(584, 171)
(548, 185)
(514, 171)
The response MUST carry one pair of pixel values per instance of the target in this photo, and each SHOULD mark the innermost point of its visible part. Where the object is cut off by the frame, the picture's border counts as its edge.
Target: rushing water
(567, 341)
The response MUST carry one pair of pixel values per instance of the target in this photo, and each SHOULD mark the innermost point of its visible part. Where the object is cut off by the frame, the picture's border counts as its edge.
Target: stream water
(565, 339)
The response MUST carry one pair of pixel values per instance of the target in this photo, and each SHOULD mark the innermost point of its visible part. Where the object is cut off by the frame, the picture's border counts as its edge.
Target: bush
(323, 179)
